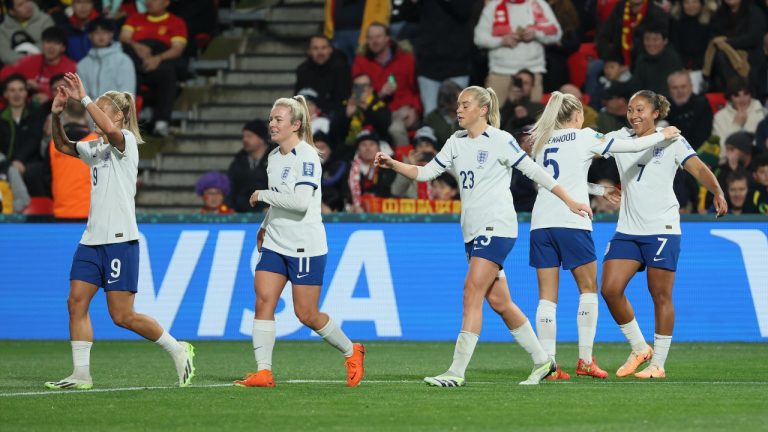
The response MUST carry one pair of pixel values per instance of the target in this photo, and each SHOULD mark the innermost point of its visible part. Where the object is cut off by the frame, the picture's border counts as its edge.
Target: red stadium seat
(402, 151)
(578, 62)
(604, 9)
(39, 206)
(716, 101)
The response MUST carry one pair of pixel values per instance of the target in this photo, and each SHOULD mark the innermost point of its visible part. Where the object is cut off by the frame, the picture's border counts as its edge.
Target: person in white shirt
(560, 238)
(108, 253)
(482, 157)
(648, 230)
(292, 243)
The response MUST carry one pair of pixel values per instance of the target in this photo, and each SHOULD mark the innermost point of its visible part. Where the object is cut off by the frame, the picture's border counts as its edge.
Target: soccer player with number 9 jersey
(648, 230)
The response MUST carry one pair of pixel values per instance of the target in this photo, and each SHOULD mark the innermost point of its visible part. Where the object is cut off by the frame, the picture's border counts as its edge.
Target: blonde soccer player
(108, 253)
(648, 230)
(482, 157)
(292, 243)
(560, 238)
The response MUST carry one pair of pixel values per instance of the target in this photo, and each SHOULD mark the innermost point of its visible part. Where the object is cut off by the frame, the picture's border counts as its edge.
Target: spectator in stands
(557, 53)
(363, 109)
(71, 177)
(737, 48)
(443, 47)
(213, 188)
(443, 118)
(614, 72)
(689, 28)
(657, 60)
(76, 27)
(364, 177)
(345, 20)
(613, 116)
(327, 72)
(113, 11)
(690, 112)
(515, 34)
(39, 68)
(445, 187)
(21, 30)
(424, 150)
(248, 171)
(521, 108)
(21, 130)
(106, 67)
(741, 113)
(736, 190)
(155, 42)
(320, 123)
(404, 18)
(523, 189)
(393, 76)
(758, 194)
(622, 32)
(335, 174)
(590, 115)
(600, 204)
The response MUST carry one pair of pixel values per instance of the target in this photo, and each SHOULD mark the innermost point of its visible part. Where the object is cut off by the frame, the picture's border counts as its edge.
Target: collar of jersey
(157, 19)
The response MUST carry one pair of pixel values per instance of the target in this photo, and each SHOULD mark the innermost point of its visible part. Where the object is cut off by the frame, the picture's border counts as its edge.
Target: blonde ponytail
(486, 97)
(559, 110)
(126, 104)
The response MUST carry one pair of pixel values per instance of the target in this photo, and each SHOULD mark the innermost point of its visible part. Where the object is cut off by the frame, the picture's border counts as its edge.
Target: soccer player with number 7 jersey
(108, 253)
(482, 157)
(559, 237)
(648, 230)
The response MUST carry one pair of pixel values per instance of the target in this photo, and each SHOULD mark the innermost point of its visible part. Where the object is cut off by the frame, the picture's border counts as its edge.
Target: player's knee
(306, 316)
(77, 306)
(609, 293)
(124, 320)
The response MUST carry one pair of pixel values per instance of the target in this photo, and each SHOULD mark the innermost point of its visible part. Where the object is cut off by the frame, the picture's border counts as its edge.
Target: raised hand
(383, 160)
(670, 132)
(74, 86)
(59, 101)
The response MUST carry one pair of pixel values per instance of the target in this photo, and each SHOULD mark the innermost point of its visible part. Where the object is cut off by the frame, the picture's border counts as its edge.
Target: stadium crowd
(385, 76)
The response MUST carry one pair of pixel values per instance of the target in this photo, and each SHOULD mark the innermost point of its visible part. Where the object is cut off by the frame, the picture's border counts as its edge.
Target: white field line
(315, 381)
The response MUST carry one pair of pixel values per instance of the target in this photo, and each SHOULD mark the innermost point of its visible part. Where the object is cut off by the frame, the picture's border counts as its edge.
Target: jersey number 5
(549, 161)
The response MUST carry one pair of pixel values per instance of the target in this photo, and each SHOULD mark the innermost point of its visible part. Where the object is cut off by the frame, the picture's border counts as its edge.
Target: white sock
(170, 345)
(465, 346)
(633, 334)
(81, 359)
(661, 345)
(263, 337)
(586, 322)
(546, 325)
(525, 336)
(333, 334)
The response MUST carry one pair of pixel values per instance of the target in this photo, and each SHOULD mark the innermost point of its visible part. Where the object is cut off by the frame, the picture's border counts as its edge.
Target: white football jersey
(648, 202)
(483, 167)
(289, 232)
(567, 156)
(112, 216)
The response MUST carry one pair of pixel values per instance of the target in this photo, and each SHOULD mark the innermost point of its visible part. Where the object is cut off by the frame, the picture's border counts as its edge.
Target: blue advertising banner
(383, 281)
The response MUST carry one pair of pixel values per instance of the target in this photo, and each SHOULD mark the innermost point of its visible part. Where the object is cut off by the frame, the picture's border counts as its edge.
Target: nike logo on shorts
(657, 259)
(301, 276)
(112, 281)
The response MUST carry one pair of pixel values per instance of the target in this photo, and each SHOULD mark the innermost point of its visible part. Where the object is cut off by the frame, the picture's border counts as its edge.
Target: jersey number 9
(95, 176)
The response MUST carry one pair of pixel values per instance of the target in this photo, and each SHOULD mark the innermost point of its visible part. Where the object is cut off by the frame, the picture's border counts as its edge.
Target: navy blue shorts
(659, 251)
(298, 270)
(114, 267)
(494, 249)
(569, 247)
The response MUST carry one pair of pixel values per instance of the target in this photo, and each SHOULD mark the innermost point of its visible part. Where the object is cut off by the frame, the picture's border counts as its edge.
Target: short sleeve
(131, 147)
(178, 31)
(512, 153)
(683, 151)
(85, 152)
(308, 170)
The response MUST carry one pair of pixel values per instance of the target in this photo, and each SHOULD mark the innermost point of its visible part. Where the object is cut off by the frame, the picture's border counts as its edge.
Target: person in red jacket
(393, 75)
(38, 69)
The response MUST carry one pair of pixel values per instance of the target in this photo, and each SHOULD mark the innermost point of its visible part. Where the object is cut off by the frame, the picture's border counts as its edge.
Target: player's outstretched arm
(60, 140)
(297, 199)
(639, 144)
(76, 90)
(701, 172)
(383, 160)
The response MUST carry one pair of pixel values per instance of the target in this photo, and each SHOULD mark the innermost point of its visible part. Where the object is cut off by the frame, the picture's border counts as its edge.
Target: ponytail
(560, 108)
(487, 97)
(126, 104)
(297, 105)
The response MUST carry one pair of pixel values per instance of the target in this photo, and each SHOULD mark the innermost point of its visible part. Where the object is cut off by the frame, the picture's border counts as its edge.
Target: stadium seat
(578, 62)
(39, 206)
(716, 101)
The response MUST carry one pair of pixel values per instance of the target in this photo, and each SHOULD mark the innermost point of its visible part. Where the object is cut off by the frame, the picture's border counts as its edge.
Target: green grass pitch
(708, 387)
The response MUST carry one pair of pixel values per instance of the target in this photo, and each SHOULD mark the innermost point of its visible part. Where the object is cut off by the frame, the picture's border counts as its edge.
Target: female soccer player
(293, 244)
(482, 158)
(108, 253)
(648, 230)
(560, 238)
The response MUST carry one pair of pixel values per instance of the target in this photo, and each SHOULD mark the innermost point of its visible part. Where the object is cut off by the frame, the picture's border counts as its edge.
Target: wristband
(85, 101)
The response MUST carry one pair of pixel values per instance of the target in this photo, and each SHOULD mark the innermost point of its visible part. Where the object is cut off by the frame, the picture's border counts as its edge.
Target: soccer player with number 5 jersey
(560, 238)
(482, 157)
(648, 230)
(108, 253)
